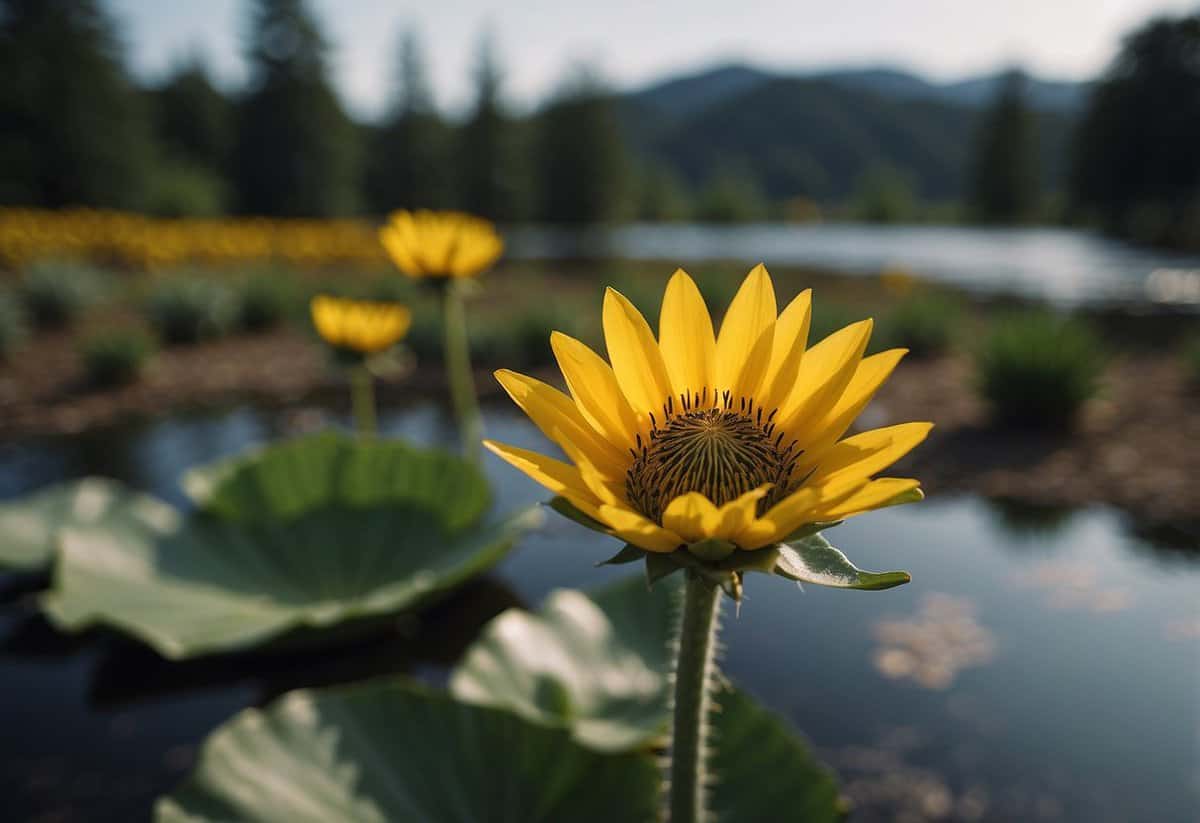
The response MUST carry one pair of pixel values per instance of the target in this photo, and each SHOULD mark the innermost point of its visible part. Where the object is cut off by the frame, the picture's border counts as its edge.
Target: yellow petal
(791, 340)
(560, 420)
(633, 528)
(863, 455)
(824, 373)
(747, 335)
(872, 372)
(594, 386)
(636, 359)
(872, 495)
(685, 334)
(692, 516)
(555, 475)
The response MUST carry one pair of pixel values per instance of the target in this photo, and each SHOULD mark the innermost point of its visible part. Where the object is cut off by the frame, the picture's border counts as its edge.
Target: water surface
(1037, 668)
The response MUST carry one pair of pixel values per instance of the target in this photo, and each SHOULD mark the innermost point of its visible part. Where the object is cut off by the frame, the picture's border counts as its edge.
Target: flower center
(721, 448)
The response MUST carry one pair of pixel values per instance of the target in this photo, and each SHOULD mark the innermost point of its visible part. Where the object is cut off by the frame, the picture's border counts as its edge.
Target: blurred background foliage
(732, 143)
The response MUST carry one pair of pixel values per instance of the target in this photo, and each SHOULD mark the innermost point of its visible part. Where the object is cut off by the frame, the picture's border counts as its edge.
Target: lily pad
(283, 480)
(596, 665)
(30, 525)
(389, 751)
(256, 566)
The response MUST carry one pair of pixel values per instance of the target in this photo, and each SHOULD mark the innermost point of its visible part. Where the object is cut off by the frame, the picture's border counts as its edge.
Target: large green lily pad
(286, 479)
(258, 565)
(30, 525)
(597, 666)
(387, 751)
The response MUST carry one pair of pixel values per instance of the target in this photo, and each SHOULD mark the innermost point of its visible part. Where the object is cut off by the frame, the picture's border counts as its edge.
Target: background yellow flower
(440, 244)
(359, 325)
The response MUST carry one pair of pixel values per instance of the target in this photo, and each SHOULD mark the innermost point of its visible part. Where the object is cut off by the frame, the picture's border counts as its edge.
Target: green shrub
(56, 292)
(925, 324)
(114, 358)
(1037, 369)
(187, 310)
(263, 301)
(1191, 360)
(12, 325)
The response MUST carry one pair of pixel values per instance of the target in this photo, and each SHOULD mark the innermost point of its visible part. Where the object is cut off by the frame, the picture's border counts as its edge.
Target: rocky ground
(1137, 447)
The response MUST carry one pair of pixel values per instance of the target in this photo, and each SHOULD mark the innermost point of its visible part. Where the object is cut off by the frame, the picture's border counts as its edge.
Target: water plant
(447, 250)
(1037, 369)
(359, 331)
(715, 455)
(115, 357)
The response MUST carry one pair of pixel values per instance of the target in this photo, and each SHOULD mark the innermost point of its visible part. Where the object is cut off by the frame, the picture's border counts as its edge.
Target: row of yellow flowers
(136, 241)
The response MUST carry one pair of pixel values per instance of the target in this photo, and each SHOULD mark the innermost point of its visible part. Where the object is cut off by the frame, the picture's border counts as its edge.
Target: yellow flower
(363, 326)
(440, 244)
(696, 437)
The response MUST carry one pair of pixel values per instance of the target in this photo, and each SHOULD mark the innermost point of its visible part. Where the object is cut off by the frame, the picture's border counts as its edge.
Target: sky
(635, 42)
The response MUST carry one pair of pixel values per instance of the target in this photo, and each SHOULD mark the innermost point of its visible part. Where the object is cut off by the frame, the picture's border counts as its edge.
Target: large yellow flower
(699, 438)
(440, 244)
(363, 326)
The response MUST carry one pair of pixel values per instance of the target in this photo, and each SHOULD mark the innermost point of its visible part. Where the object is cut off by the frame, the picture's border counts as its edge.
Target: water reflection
(1047, 674)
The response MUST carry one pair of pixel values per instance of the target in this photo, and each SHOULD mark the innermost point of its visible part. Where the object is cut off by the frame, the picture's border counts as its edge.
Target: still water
(1040, 666)
(1063, 266)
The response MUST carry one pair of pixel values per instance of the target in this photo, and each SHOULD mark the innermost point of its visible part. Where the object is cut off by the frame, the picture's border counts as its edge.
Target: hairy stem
(362, 399)
(694, 672)
(458, 371)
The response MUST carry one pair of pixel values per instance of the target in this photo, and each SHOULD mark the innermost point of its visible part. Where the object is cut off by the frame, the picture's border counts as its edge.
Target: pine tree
(297, 152)
(1004, 175)
(73, 128)
(193, 119)
(490, 175)
(581, 155)
(409, 160)
(1137, 146)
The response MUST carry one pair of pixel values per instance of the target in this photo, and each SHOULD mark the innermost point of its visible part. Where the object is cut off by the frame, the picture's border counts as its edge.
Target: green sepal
(712, 549)
(629, 553)
(569, 510)
(659, 565)
(815, 560)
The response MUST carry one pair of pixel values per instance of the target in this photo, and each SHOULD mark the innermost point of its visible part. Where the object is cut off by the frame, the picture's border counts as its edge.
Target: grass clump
(925, 324)
(1191, 361)
(1036, 369)
(55, 293)
(187, 310)
(116, 357)
(12, 325)
(262, 302)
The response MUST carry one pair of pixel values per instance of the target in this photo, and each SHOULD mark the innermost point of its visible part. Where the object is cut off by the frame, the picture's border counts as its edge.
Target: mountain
(819, 135)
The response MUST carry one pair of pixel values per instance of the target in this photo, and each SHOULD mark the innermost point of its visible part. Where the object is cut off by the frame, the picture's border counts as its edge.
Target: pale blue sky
(633, 42)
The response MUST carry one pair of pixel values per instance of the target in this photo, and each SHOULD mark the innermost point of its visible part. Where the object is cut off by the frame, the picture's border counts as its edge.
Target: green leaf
(387, 751)
(203, 584)
(568, 510)
(594, 664)
(332, 469)
(760, 768)
(628, 554)
(30, 525)
(591, 664)
(814, 560)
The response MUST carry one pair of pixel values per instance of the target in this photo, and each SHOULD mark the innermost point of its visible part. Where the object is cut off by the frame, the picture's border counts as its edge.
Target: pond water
(1064, 266)
(1041, 666)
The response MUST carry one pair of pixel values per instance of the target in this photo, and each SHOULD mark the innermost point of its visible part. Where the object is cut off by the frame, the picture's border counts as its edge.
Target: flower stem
(694, 672)
(362, 399)
(458, 371)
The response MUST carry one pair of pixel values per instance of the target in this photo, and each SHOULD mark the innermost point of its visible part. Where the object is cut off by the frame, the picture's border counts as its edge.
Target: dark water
(1064, 266)
(1043, 665)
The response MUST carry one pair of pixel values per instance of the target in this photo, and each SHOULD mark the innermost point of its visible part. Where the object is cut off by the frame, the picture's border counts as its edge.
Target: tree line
(75, 129)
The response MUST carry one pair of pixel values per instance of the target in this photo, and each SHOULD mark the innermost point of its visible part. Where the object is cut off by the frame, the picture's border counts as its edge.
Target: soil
(1136, 447)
